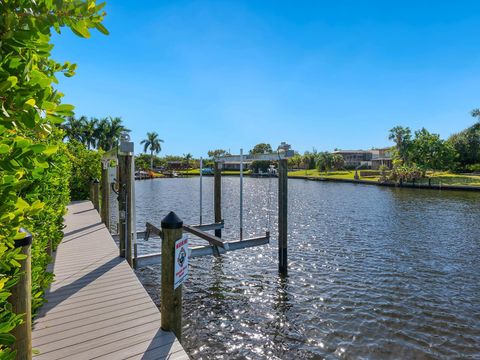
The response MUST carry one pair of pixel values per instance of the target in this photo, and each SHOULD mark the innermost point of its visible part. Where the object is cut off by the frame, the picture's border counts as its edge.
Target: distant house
(368, 159)
(235, 165)
(175, 165)
(381, 157)
(355, 158)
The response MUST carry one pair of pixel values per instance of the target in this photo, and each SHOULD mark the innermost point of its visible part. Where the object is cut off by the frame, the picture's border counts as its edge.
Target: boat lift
(217, 245)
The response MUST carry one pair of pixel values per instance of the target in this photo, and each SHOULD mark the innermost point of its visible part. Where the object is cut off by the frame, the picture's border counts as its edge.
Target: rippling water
(374, 272)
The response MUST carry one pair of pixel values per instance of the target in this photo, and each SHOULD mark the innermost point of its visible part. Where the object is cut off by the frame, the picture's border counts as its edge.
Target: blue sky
(324, 74)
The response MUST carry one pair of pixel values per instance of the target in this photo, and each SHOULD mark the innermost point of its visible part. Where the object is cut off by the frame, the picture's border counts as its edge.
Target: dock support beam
(127, 203)
(95, 194)
(217, 200)
(122, 208)
(282, 216)
(105, 213)
(171, 299)
(21, 301)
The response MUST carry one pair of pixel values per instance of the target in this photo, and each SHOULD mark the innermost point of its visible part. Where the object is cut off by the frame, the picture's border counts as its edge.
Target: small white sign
(181, 261)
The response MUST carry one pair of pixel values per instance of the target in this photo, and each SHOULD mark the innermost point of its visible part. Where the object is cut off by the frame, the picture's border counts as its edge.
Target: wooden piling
(171, 299)
(95, 194)
(21, 301)
(126, 207)
(217, 200)
(282, 216)
(122, 202)
(131, 231)
(105, 211)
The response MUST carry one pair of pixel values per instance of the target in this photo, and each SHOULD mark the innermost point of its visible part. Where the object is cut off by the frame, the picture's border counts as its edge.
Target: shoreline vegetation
(434, 180)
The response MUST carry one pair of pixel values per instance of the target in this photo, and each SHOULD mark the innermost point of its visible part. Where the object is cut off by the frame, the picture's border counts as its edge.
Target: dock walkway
(97, 308)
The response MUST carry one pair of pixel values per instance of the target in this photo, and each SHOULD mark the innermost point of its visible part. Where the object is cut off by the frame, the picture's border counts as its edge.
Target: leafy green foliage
(260, 166)
(406, 173)
(86, 166)
(467, 145)
(95, 133)
(217, 153)
(261, 148)
(34, 171)
(430, 152)
(402, 136)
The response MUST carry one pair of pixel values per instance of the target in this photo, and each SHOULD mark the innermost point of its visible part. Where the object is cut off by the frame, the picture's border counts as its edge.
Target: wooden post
(282, 215)
(129, 177)
(105, 195)
(21, 301)
(171, 299)
(126, 204)
(122, 202)
(95, 194)
(90, 194)
(217, 200)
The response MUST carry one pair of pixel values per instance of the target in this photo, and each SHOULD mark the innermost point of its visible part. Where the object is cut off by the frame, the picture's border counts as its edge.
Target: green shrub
(86, 166)
(34, 175)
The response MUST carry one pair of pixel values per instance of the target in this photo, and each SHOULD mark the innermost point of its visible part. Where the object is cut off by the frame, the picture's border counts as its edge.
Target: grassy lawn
(446, 178)
(197, 172)
(437, 178)
(331, 174)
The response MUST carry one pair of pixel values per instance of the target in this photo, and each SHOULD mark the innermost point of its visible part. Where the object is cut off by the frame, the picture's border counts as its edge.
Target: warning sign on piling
(181, 261)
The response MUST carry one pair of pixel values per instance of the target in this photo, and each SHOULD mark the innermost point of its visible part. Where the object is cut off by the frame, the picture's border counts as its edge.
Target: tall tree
(261, 148)
(324, 161)
(89, 132)
(74, 128)
(467, 143)
(109, 131)
(402, 136)
(187, 158)
(217, 153)
(338, 162)
(430, 152)
(152, 143)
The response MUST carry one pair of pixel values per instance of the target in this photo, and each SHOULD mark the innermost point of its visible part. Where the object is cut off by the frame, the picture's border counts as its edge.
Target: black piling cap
(172, 221)
(27, 240)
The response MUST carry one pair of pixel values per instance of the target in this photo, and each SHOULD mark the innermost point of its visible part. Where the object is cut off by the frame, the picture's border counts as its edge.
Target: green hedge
(86, 166)
(34, 166)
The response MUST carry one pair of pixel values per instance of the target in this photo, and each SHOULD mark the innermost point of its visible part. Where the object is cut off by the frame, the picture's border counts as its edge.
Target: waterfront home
(368, 159)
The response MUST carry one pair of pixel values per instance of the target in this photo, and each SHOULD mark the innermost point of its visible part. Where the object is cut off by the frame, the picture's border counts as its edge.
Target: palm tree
(74, 128)
(187, 158)
(89, 132)
(115, 129)
(153, 142)
(108, 132)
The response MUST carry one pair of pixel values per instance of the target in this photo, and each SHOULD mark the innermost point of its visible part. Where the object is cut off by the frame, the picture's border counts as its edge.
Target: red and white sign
(181, 261)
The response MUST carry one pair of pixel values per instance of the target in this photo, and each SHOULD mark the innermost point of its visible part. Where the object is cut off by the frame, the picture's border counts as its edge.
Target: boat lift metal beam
(153, 232)
(198, 251)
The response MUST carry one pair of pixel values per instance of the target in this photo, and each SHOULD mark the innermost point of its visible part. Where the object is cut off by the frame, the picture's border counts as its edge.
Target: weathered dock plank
(97, 308)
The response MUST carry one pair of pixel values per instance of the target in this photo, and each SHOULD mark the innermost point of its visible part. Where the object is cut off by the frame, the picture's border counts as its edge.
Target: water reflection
(374, 272)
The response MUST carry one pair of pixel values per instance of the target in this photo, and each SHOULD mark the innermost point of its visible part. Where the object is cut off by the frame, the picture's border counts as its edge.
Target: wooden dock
(97, 308)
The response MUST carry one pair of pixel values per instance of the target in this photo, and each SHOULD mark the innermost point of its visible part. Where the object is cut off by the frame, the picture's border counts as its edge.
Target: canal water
(375, 273)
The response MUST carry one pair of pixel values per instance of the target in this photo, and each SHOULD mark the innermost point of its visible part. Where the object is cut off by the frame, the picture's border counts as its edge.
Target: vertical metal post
(217, 199)
(105, 195)
(21, 300)
(241, 194)
(201, 191)
(171, 299)
(282, 216)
